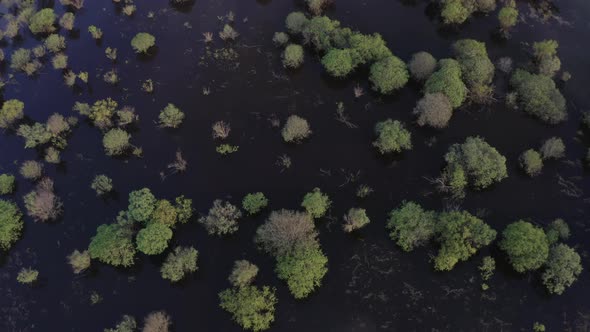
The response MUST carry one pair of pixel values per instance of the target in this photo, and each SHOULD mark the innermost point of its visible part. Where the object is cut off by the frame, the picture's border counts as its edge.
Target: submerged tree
(42, 203)
(526, 246)
(222, 218)
(42, 21)
(434, 110)
(422, 65)
(447, 80)
(116, 142)
(356, 218)
(388, 75)
(142, 42)
(11, 112)
(303, 270)
(562, 268)
(293, 56)
(411, 226)
(179, 263)
(392, 136)
(11, 224)
(296, 129)
(7, 182)
(284, 230)
(157, 321)
(316, 203)
(539, 97)
(79, 261)
(113, 244)
(531, 162)
(254, 203)
(251, 307)
(141, 204)
(171, 116)
(243, 273)
(102, 184)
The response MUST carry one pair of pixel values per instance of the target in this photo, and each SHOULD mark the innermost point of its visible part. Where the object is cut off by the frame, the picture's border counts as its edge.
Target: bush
(296, 22)
(460, 235)
(42, 21)
(411, 226)
(293, 56)
(434, 110)
(11, 224)
(55, 43)
(31, 170)
(392, 136)
(142, 42)
(553, 148)
(531, 162)
(303, 270)
(280, 38)
(113, 244)
(563, 268)
(355, 219)
(20, 58)
(284, 231)
(6, 184)
(252, 308)
(254, 203)
(11, 112)
(316, 203)
(171, 116)
(141, 205)
(27, 276)
(526, 246)
(116, 142)
(179, 263)
(102, 184)
(79, 261)
(557, 230)
(157, 321)
(243, 273)
(388, 75)
(222, 218)
(296, 129)
(153, 239)
(447, 80)
(42, 204)
(487, 267)
(422, 65)
(338, 63)
(539, 97)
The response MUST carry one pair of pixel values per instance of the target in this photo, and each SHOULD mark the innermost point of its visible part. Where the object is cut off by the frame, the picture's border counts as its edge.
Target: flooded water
(371, 284)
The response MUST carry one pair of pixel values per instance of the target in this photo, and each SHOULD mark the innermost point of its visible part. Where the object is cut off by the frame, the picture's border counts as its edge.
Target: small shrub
(142, 42)
(422, 65)
(179, 263)
(557, 230)
(243, 273)
(222, 218)
(31, 170)
(553, 148)
(293, 56)
(171, 116)
(316, 203)
(564, 265)
(254, 203)
(296, 129)
(60, 61)
(531, 162)
(221, 129)
(224, 149)
(487, 267)
(228, 33)
(67, 21)
(303, 270)
(27, 276)
(79, 261)
(102, 184)
(392, 136)
(127, 324)
(20, 58)
(116, 142)
(355, 219)
(52, 155)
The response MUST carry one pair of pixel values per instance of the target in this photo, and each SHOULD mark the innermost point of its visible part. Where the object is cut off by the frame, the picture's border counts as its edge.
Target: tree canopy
(526, 245)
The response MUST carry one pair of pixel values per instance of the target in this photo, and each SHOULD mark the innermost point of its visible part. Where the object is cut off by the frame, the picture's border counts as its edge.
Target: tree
(388, 75)
(179, 263)
(356, 218)
(164, 213)
(254, 203)
(222, 218)
(67, 21)
(553, 148)
(42, 204)
(296, 129)
(296, 22)
(284, 230)
(460, 235)
(545, 53)
(34, 135)
(6, 184)
(507, 16)
(55, 43)
(102, 184)
(531, 162)
(563, 268)
(293, 56)
(79, 261)
(422, 65)
(11, 112)
(42, 21)
(243, 273)
(487, 267)
(280, 39)
(447, 80)
(368, 48)
(319, 32)
(557, 230)
(141, 204)
(113, 244)
(526, 246)
(95, 32)
(153, 239)
(116, 142)
(316, 203)
(11, 224)
(31, 169)
(184, 209)
(157, 321)
(27, 276)
(338, 63)
(411, 226)
(392, 137)
(476, 66)
(171, 116)
(303, 270)
(434, 110)
(539, 97)
(142, 42)
(251, 307)
(127, 324)
(454, 12)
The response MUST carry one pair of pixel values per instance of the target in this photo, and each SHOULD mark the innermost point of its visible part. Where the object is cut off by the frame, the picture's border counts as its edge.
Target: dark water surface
(371, 285)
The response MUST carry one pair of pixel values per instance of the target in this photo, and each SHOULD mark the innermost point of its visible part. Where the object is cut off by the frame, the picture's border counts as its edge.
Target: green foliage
(316, 203)
(34, 135)
(280, 39)
(102, 184)
(164, 213)
(67, 21)
(411, 226)
(243, 273)
(481, 164)
(507, 16)
(113, 244)
(286, 230)
(20, 58)
(141, 204)
(296, 129)
(11, 224)
(356, 218)
(422, 65)
(27, 276)
(116, 142)
(252, 308)
(55, 43)
(434, 110)
(303, 270)
(179, 263)
(460, 235)
(60, 61)
(487, 267)
(447, 80)
(454, 12)
(153, 239)
(225, 148)
(368, 48)
(171, 116)
(222, 218)
(42, 21)
(127, 324)
(476, 67)
(319, 32)
(184, 209)
(538, 327)
(531, 162)
(31, 170)
(296, 22)
(293, 56)
(79, 261)
(6, 184)
(538, 96)
(95, 32)
(101, 112)
(388, 74)
(254, 203)
(392, 136)
(553, 148)
(11, 112)
(545, 53)
(526, 246)
(557, 230)
(338, 63)
(563, 268)
(142, 42)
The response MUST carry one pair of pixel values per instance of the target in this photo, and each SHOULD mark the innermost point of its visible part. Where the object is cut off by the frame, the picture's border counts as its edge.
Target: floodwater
(371, 284)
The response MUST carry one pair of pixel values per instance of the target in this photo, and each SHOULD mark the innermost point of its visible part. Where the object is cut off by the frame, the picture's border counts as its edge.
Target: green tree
(127, 324)
(422, 65)
(102, 184)
(79, 261)
(179, 263)
(557, 230)
(293, 56)
(563, 268)
(55, 43)
(531, 162)
(184, 209)
(141, 204)
(6, 184)
(545, 53)
(27, 276)
(153, 239)
(296, 22)
(392, 137)
(142, 42)
(164, 213)
(368, 48)
(454, 12)
(113, 244)
(243, 273)
(411, 226)
(296, 129)
(487, 267)
(31, 169)
(447, 80)
(171, 116)
(388, 74)
(303, 270)
(116, 142)
(526, 246)
(476, 66)
(42, 21)
(251, 307)
(338, 63)
(316, 203)
(11, 112)
(11, 224)
(508, 17)
(34, 135)
(356, 218)
(222, 218)
(539, 97)
(319, 32)
(553, 148)
(254, 203)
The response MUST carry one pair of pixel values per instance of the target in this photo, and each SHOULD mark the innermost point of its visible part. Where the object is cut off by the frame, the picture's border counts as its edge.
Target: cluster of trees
(157, 321)
(458, 11)
(151, 221)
